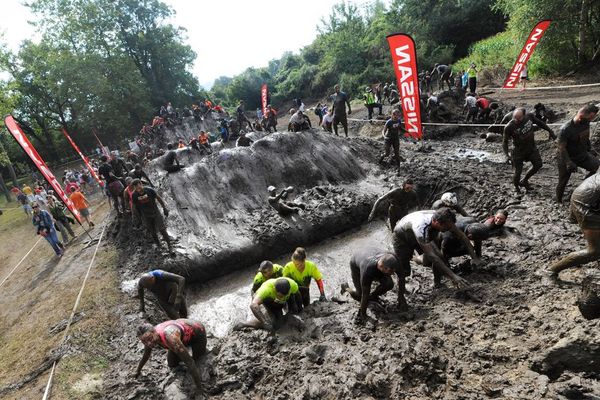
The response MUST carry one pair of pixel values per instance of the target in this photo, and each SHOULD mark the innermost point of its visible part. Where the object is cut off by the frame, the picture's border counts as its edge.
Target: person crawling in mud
(284, 208)
(585, 207)
(367, 265)
(496, 222)
(144, 206)
(266, 270)
(450, 201)
(175, 336)
(391, 138)
(575, 149)
(138, 173)
(454, 246)
(298, 121)
(521, 129)
(402, 200)
(171, 162)
(302, 271)
(420, 231)
(168, 289)
(243, 140)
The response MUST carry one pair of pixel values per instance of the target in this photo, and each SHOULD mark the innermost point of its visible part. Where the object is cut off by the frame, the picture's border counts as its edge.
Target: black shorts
(343, 119)
(533, 157)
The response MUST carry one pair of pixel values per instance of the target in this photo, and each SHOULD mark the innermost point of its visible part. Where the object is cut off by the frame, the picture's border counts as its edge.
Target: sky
(228, 36)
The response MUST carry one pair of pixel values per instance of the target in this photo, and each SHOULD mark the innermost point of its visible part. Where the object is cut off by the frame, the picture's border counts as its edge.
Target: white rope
(545, 87)
(19, 263)
(447, 124)
(64, 339)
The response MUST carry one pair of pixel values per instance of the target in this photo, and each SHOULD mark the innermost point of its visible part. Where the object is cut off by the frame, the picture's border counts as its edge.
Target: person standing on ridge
(340, 100)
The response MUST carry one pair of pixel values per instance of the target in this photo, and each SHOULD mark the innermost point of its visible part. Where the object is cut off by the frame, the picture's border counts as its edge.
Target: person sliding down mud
(366, 266)
(243, 140)
(301, 271)
(171, 162)
(273, 295)
(266, 270)
(496, 222)
(402, 200)
(168, 289)
(138, 173)
(419, 231)
(450, 201)
(585, 207)
(284, 208)
(175, 336)
(391, 138)
(575, 149)
(521, 129)
(145, 208)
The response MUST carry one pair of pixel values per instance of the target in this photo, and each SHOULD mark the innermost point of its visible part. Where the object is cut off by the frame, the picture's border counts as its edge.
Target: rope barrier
(70, 321)
(546, 87)
(448, 124)
(19, 263)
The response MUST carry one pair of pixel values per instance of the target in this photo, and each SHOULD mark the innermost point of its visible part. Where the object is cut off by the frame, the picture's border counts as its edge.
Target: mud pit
(526, 338)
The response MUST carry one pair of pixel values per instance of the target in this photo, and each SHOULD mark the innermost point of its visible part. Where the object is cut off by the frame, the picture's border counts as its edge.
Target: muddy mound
(219, 210)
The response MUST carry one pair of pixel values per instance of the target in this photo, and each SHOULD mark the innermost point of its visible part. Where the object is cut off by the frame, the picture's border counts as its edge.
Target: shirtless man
(168, 289)
(175, 336)
(419, 231)
(521, 129)
(444, 72)
(402, 200)
(340, 100)
(366, 266)
(575, 149)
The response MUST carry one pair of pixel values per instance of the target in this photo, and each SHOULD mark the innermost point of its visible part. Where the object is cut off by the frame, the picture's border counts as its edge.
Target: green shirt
(259, 279)
(302, 278)
(472, 72)
(267, 291)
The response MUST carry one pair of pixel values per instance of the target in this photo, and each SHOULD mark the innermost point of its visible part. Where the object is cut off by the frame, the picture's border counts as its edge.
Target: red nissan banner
(15, 130)
(532, 41)
(404, 57)
(84, 158)
(264, 93)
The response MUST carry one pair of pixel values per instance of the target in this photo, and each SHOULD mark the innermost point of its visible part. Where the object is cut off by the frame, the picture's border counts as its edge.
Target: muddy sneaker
(344, 288)
(526, 185)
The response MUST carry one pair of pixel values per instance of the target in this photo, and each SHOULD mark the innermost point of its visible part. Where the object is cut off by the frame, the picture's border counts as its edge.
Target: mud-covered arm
(141, 296)
(544, 126)
(379, 200)
(255, 308)
(145, 176)
(563, 153)
(461, 211)
(461, 235)
(505, 139)
(173, 339)
(348, 103)
(477, 247)
(162, 203)
(435, 256)
(145, 358)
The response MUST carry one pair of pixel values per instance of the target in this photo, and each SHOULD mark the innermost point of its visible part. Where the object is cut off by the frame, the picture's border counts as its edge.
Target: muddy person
(169, 290)
(273, 295)
(584, 207)
(171, 162)
(327, 122)
(175, 336)
(368, 265)
(450, 201)
(42, 220)
(302, 271)
(496, 222)
(453, 246)
(82, 205)
(470, 107)
(266, 270)
(575, 149)
(243, 140)
(284, 208)
(61, 221)
(340, 100)
(444, 73)
(391, 138)
(144, 206)
(402, 201)
(521, 129)
(420, 231)
(138, 173)
(114, 186)
(241, 116)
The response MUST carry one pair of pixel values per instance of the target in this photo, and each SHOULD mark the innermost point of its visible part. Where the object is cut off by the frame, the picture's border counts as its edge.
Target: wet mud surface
(525, 339)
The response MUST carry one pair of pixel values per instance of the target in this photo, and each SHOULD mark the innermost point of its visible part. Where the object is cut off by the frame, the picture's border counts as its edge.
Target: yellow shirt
(259, 279)
(27, 190)
(302, 278)
(267, 291)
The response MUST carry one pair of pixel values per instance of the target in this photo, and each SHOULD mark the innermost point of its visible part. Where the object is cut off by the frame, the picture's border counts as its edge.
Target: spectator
(328, 121)
(472, 73)
(61, 221)
(82, 205)
(42, 220)
(371, 103)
